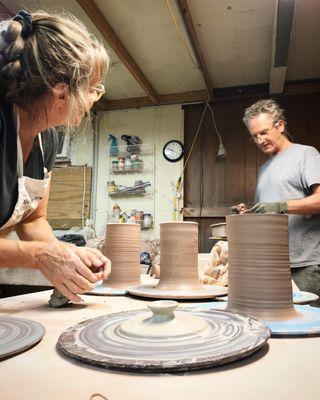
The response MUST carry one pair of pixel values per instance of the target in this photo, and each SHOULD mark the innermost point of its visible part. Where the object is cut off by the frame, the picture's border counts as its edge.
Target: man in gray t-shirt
(289, 182)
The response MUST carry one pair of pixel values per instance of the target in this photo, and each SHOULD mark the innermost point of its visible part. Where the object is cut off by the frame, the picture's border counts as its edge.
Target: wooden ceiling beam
(196, 96)
(187, 18)
(118, 47)
(201, 96)
(282, 26)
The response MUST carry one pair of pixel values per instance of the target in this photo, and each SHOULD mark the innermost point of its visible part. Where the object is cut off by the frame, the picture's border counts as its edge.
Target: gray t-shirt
(289, 175)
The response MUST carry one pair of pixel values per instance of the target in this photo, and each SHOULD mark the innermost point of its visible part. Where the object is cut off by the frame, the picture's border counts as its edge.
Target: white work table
(286, 369)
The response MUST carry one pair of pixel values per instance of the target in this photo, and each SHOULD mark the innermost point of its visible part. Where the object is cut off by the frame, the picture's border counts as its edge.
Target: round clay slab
(17, 335)
(99, 342)
(208, 292)
(307, 325)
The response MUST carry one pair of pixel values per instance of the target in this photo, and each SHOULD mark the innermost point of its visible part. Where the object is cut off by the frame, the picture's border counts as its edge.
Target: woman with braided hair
(51, 71)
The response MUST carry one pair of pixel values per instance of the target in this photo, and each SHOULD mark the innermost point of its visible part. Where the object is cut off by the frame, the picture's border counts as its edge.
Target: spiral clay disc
(17, 335)
(101, 342)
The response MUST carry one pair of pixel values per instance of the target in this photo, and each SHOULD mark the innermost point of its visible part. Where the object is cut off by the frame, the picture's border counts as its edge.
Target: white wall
(156, 126)
(82, 146)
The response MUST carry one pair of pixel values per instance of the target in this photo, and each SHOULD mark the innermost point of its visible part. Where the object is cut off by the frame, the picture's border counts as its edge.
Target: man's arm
(309, 205)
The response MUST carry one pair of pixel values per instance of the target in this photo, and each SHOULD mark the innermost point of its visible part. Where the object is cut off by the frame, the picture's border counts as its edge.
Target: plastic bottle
(113, 149)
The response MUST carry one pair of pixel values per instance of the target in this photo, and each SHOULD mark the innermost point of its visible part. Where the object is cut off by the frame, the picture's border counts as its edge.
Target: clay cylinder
(179, 256)
(122, 247)
(259, 269)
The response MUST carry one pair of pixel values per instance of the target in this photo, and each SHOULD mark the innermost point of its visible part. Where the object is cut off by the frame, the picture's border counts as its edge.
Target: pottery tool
(18, 335)
(179, 278)
(259, 280)
(122, 247)
(163, 340)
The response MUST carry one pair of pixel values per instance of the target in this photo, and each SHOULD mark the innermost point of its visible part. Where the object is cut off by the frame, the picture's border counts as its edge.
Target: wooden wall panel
(211, 186)
(66, 196)
(314, 120)
(235, 161)
(214, 169)
(250, 157)
(204, 242)
(298, 119)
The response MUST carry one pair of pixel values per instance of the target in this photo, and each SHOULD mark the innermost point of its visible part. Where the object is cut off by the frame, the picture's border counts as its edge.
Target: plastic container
(128, 164)
(147, 220)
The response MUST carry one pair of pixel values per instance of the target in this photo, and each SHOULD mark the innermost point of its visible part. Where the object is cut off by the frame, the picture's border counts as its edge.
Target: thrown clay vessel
(259, 268)
(179, 256)
(122, 247)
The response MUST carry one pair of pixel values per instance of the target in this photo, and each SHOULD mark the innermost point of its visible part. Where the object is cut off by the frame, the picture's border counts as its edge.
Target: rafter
(196, 96)
(118, 47)
(284, 12)
(187, 18)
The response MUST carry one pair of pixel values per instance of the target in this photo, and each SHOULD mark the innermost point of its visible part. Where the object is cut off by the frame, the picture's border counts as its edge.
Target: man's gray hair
(268, 106)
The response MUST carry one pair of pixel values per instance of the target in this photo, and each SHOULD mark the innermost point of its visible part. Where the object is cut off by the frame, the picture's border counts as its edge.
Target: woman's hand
(96, 261)
(71, 269)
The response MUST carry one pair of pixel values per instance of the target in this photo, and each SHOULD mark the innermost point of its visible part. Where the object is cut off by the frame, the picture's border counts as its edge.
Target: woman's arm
(36, 226)
(67, 267)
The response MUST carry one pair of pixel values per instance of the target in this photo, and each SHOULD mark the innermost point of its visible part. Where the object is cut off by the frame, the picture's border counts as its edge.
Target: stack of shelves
(130, 184)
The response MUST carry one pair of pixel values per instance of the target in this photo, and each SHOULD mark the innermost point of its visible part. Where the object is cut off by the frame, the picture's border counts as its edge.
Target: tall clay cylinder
(179, 256)
(122, 246)
(259, 269)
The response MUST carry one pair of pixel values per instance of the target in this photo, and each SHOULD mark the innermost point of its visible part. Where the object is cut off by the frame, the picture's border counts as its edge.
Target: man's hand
(239, 209)
(267, 208)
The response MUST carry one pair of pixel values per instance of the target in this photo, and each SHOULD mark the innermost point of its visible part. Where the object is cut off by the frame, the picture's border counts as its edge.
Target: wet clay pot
(122, 246)
(179, 256)
(259, 268)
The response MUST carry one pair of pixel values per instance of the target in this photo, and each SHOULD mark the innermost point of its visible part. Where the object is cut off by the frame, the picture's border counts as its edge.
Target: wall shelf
(130, 201)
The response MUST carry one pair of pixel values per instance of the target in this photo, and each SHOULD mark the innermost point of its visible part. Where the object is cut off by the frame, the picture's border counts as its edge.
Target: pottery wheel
(298, 297)
(110, 342)
(17, 335)
(208, 292)
(307, 323)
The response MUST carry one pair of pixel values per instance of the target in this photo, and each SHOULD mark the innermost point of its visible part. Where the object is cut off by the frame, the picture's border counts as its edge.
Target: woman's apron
(30, 191)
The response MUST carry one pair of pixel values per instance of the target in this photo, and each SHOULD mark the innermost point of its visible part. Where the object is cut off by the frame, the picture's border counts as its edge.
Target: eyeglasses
(255, 138)
(99, 89)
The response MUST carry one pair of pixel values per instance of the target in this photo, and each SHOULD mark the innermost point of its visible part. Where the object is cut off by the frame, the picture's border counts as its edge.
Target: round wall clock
(173, 151)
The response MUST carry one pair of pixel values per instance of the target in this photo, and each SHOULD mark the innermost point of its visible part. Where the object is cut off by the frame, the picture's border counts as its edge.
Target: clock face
(173, 151)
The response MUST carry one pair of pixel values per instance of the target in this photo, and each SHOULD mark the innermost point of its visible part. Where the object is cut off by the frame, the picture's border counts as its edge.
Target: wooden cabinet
(70, 196)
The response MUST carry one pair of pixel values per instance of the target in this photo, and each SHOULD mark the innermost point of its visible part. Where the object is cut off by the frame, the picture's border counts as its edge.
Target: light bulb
(221, 151)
